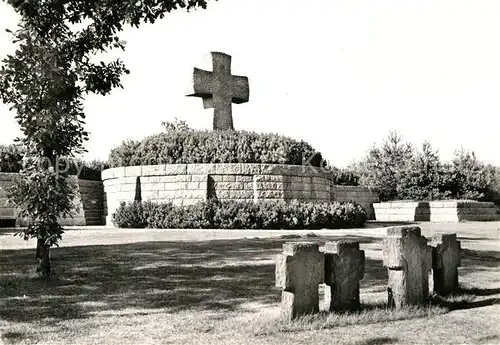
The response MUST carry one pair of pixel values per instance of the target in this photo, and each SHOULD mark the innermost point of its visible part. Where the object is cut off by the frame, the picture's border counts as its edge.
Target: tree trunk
(39, 244)
(43, 259)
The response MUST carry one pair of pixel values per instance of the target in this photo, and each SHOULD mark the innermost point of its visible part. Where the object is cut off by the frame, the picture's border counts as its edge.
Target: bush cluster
(344, 177)
(397, 171)
(215, 214)
(195, 146)
(11, 157)
(11, 161)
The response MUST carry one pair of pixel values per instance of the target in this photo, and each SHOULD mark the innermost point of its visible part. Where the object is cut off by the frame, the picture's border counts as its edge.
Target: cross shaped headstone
(299, 271)
(408, 260)
(445, 263)
(344, 268)
(219, 88)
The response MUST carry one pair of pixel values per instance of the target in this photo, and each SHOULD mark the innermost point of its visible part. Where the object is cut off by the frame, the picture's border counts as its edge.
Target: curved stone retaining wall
(89, 199)
(185, 184)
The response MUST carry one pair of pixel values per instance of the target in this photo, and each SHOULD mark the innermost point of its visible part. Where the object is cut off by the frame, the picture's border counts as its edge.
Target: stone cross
(408, 259)
(299, 271)
(344, 268)
(219, 89)
(445, 263)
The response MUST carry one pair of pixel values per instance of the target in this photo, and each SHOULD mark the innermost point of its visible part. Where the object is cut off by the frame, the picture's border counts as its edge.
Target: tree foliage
(467, 177)
(176, 125)
(398, 172)
(45, 81)
(421, 177)
(382, 167)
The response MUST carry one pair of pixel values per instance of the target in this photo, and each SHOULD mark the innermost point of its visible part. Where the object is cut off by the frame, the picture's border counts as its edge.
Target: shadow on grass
(479, 260)
(174, 276)
(459, 304)
(479, 291)
(377, 341)
(12, 337)
(467, 298)
(381, 224)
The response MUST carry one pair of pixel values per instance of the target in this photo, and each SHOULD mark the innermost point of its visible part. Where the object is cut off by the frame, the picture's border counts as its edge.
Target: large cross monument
(219, 89)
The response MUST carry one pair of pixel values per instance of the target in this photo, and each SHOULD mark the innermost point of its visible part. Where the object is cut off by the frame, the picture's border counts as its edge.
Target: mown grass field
(215, 287)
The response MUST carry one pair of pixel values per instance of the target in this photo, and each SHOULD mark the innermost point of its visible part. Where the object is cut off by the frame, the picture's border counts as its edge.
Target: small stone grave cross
(299, 271)
(344, 268)
(219, 88)
(408, 259)
(445, 263)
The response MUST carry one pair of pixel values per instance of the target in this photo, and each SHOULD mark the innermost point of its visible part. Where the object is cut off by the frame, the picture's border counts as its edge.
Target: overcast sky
(338, 74)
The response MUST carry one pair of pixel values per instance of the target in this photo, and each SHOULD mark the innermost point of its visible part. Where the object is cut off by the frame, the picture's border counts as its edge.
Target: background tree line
(399, 171)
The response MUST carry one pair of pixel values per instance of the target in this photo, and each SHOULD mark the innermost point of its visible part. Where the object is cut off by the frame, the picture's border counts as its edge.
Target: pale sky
(338, 74)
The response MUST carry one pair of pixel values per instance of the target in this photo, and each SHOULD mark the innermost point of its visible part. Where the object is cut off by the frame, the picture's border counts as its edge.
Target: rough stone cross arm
(218, 89)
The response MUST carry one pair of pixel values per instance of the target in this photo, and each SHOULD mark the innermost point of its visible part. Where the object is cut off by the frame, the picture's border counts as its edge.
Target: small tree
(381, 168)
(45, 82)
(422, 176)
(42, 196)
(467, 177)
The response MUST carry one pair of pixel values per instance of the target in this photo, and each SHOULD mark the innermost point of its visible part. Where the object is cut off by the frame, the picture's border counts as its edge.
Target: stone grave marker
(408, 259)
(299, 271)
(219, 88)
(344, 268)
(445, 262)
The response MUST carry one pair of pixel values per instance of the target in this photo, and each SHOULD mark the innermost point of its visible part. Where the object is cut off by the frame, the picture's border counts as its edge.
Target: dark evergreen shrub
(215, 214)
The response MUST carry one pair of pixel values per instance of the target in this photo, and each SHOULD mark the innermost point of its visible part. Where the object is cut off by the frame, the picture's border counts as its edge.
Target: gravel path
(86, 236)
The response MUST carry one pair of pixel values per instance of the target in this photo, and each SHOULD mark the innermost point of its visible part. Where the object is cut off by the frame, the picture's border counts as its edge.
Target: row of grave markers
(341, 265)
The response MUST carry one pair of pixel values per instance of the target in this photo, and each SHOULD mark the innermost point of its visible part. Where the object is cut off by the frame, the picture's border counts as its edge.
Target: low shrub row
(215, 214)
(196, 146)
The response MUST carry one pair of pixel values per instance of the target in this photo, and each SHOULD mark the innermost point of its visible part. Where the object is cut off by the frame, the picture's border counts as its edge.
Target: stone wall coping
(214, 169)
(5, 176)
(339, 187)
(434, 204)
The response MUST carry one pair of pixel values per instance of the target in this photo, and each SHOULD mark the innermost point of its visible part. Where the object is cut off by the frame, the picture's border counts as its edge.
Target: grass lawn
(215, 287)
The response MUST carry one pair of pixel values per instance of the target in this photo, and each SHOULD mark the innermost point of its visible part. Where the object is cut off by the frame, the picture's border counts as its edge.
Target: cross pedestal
(344, 268)
(218, 89)
(299, 271)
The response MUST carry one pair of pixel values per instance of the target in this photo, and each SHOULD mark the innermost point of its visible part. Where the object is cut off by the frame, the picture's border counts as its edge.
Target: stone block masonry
(299, 271)
(89, 199)
(185, 184)
(365, 197)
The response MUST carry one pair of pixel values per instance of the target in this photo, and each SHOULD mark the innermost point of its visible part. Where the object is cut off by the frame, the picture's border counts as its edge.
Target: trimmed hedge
(215, 214)
(195, 146)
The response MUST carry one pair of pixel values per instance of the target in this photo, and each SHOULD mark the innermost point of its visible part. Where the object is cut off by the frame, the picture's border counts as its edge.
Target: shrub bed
(195, 146)
(215, 214)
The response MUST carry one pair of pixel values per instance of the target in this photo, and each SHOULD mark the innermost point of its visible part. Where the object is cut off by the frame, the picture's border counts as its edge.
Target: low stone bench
(436, 211)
